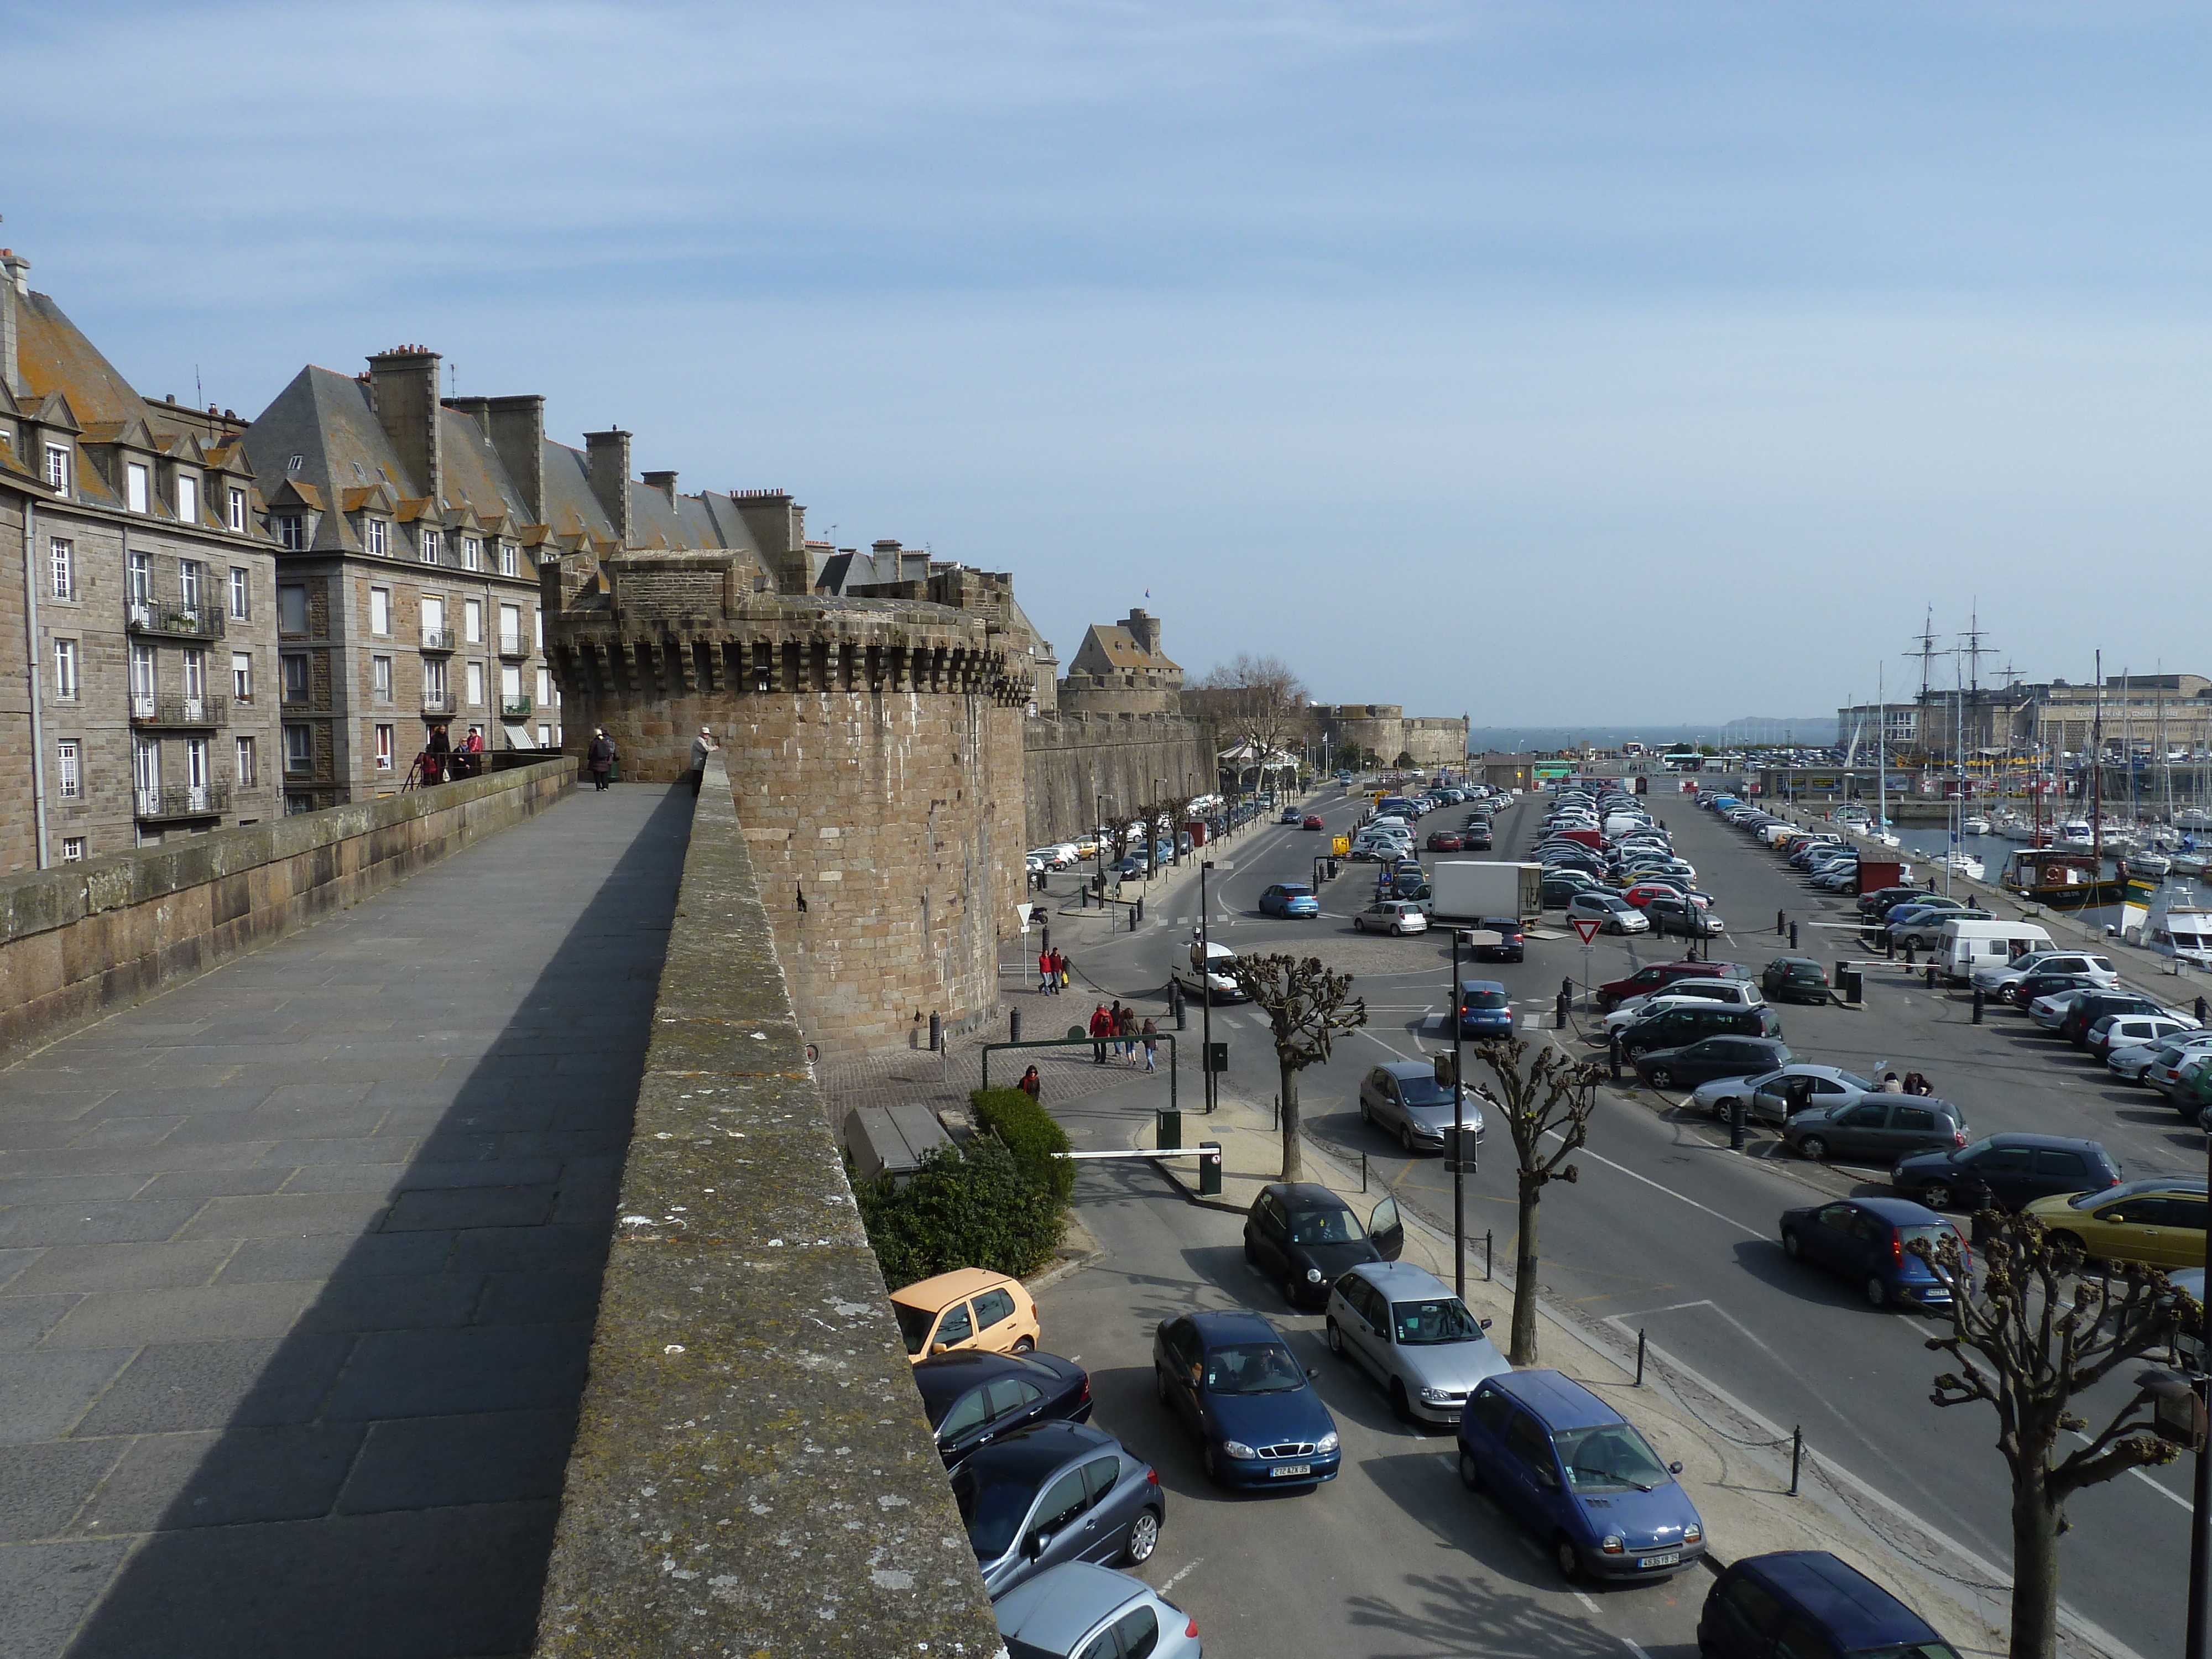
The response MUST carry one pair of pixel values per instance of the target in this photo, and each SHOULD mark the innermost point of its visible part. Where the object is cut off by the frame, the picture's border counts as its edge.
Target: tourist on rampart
(599, 758)
(701, 746)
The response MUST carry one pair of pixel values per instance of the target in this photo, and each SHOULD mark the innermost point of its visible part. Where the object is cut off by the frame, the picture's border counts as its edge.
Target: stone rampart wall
(753, 1473)
(1070, 760)
(82, 939)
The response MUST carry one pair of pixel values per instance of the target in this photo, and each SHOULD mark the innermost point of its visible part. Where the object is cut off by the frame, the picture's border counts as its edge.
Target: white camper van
(1966, 945)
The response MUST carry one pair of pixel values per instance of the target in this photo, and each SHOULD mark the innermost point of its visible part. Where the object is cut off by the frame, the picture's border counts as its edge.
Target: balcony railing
(173, 618)
(513, 645)
(179, 711)
(514, 708)
(182, 801)
(438, 702)
(437, 639)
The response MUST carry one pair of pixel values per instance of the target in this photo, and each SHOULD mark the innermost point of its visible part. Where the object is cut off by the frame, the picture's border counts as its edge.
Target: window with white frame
(507, 563)
(146, 770)
(374, 536)
(63, 556)
(544, 737)
(195, 676)
(384, 735)
(141, 578)
(471, 553)
(433, 607)
(245, 759)
(379, 678)
(472, 621)
(298, 806)
(430, 544)
(379, 611)
(298, 749)
(65, 670)
(291, 610)
(434, 682)
(241, 594)
(72, 849)
(510, 631)
(475, 682)
(142, 679)
(69, 764)
(188, 499)
(196, 769)
(137, 486)
(190, 580)
(58, 466)
(235, 518)
(544, 686)
(241, 677)
(537, 628)
(291, 532)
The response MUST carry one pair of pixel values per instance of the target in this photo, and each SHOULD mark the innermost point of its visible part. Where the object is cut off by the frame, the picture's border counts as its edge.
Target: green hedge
(980, 1208)
(1030, 1134)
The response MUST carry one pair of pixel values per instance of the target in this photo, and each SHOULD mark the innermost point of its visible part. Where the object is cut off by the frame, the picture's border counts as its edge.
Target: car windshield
(1337, 1226)
(1485, 999)
(1853, 1080)
(1609, 1458)
(1423, 1090)
(914, 1325)
(992, 1511)
(1933, 1237)
(1438, 1319)
(1253, 1368)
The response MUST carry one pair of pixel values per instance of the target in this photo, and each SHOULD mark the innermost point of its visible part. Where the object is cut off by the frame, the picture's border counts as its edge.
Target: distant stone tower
(874, 746)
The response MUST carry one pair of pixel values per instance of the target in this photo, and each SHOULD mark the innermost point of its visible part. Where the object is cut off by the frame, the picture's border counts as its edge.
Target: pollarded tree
(1550, 1094)
(1306, 1005)
(2047, 1325)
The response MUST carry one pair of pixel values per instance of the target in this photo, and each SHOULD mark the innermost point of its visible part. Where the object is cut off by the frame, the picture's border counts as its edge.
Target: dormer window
(373, 537)
(471, 553)
(430, 549)
(58, 466)
(237, 514)
(506, 558)
(292, 531)
(137, 486)
(188, 499)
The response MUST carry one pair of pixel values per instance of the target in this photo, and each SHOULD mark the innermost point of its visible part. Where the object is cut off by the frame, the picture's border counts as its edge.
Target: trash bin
(1850, 981)
(1209, 1169)
(1169, 1137)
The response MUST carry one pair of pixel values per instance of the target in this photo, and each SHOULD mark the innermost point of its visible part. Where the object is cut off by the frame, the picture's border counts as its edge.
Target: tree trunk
(1523, 1348)
(1294, 1166)
(2035, 1567)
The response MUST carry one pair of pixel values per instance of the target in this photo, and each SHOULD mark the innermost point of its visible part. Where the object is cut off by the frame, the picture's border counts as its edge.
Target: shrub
(980, 1208)
(1030, 1134)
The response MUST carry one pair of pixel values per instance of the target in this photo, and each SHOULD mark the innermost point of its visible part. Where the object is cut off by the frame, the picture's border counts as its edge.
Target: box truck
(1468, 890)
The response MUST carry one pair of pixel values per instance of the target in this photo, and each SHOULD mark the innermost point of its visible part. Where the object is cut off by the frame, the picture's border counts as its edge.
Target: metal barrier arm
(1168, 1038)
(1148, 1151)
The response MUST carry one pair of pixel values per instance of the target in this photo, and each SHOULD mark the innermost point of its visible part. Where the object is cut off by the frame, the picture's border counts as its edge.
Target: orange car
(966, 1308)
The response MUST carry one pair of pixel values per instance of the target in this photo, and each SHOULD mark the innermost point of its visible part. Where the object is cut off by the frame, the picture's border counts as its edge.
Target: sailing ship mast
(2097, 778)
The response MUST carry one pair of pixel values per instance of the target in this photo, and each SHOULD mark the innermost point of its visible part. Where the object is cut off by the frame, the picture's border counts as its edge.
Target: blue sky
(1549, 364)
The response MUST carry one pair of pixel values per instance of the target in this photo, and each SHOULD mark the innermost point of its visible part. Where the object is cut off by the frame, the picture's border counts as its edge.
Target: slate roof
(1108, 647)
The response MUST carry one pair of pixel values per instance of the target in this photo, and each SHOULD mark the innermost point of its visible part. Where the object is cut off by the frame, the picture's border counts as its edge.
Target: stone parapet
(753, 1472)
(82, 939)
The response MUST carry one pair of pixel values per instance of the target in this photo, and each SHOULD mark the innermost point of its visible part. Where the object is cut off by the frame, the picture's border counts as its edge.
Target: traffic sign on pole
(1588, 927)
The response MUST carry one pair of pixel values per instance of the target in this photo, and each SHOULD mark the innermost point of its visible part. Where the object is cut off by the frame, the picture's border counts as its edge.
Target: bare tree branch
(1306, 1005)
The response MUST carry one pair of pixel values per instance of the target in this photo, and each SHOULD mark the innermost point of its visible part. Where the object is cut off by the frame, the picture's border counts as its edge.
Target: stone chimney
(608, 455)
(665, 483)
(14, 288)
(1144, 630)
(403, 384)
(778, 526)
(516, 427)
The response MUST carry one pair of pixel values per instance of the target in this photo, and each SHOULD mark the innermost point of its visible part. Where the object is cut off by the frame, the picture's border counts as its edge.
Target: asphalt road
(1668, 1232)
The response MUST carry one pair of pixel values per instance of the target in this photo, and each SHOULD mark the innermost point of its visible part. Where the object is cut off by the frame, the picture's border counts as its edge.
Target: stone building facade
(140, 603)
(1120, 668)
(1352, 729)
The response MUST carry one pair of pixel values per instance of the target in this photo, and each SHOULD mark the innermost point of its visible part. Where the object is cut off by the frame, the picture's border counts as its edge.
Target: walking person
(1031, 1085)
(1114, 1027)
(1066, 976)
(599, 758)
(1045, 975)
(440, 751)
(1152, 1045)
(701, 746)
(1101, 1025)
(1127, 1026)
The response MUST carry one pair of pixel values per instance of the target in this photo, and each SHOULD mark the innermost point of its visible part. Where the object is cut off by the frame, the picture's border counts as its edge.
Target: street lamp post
(1459, 1135)
(2200, 1519)
(1098, 840)
(1205, 988)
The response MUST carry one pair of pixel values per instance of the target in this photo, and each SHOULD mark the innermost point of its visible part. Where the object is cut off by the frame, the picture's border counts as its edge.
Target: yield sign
(1588, 927)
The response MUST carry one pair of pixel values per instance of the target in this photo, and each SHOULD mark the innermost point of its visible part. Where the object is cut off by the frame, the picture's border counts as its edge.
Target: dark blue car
(1236, 1385)
(1807, 1601)
(1484, 1010)
(1579, 1476)
(1869, 1242)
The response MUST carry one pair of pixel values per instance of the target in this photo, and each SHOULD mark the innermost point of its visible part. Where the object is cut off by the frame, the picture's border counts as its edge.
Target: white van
(1966, 945)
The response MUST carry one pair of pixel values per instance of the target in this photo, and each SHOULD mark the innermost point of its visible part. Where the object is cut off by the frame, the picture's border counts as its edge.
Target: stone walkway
(299, 1262)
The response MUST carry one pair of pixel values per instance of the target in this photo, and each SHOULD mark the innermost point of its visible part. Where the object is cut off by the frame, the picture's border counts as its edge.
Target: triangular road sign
(1588, 927)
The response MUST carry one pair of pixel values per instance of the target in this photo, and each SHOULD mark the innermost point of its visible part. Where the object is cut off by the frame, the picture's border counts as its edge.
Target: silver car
(1404, 1098)
(1079, 1611)
(1766, 1097)
(1403, 1325)
(1391, 916)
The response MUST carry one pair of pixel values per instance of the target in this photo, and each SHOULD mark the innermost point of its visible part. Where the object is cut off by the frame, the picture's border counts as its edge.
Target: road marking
(1588, 1606)
(2142, 1475)
(1749, 1232)
(1672, 1307)
(1181, 1573)
(1633, 1648)
(1446, 1464)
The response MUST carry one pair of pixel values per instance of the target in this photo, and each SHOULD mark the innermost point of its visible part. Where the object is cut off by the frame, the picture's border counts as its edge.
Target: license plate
(1283, 1470)
(1671, 1559)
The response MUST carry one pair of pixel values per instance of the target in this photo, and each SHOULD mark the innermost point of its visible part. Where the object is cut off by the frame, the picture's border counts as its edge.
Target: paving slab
(299, 1262)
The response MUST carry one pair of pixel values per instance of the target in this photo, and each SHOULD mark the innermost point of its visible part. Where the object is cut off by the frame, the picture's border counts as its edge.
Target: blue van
(1807, 1602)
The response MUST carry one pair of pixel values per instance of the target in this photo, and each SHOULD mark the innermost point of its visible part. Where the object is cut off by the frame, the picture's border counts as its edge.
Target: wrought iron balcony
(437, 639)
(515, 708)
(513, 645)
(439, 702)
(211, 711)
(182, 801)
(174, 618)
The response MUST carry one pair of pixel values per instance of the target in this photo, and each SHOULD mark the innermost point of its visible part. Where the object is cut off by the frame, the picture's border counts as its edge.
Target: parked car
(1512, 946)
(2091, 1006)
(1291, 900)
(1925, 931)
(2158, 1221)
(2005, 1171)
(1683, 917)
(2117, 1031)
(1794, 979)
(1807, 1602)
(1080, 1611)
(966, 1308)
(1775, 1096)
(1677, 1025)
(1722, 1056)
(1484, 1010)
(1391, 915)
(1579, 1476)
(973, 1397)
(1729, 992)
(1616, 914)
(2162, 1071)
(1235, 1385)
(1303, 1236)
(1403, 1326)
(1877, 1129)
(1404, 1099)
(1868, 1241)
(2003, 980)
(1056, 1492)
(1651, 977)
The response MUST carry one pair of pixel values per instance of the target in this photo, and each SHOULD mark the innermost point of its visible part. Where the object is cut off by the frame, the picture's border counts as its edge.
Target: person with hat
(701, 746)
(599, 758)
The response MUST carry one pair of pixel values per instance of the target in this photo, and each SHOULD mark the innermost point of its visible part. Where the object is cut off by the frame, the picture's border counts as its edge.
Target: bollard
(1796, 1455)
(1793, 935)
(1639, 1356)
(936, 1033)
(1362, 1169)
(1735, 1126)
(1168, 1136)
(1978, 1005)
(1562, 1010)
(1046, 945)
(1139, 916)
(1888, 947)
(1013, 1025)
(1911, 956)
(1780, 925)
(1931, 975)
(1209, 1169)
(1489, 1252)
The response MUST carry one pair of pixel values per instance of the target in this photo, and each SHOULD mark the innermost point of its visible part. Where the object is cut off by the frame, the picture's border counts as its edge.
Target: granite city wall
(1071, 759)
(753, 1473)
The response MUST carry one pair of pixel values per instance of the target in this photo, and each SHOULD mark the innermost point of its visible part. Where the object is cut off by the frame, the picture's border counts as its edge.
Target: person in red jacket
(1101, 1027)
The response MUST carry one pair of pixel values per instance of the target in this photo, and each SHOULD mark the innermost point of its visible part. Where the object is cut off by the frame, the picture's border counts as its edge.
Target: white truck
(1469, 889)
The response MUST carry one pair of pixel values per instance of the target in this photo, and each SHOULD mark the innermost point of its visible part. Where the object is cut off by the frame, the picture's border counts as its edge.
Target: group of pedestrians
(1115, 1029)
(1053, 973)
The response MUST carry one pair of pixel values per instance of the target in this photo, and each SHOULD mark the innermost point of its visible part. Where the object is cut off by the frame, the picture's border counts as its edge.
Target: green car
(1794, 979)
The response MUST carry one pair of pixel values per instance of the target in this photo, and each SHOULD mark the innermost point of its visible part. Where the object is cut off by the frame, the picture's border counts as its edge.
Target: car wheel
(1661, 1078)
(1025, 1345)
(1160, 1386)
(1401, 1407)
(1144, 1539)
(1721, 1108)
(1813, 1146)
(1877, 1293)
(1405, 1139)
(1335, 1340)
(1470, 1472)
(1251, 1255)
(1936, 1195)
(2060, 1239)
(1566, 1557)
(1212, 1463)
(1358, 925)
(1792, 1248)
(1366, 1113)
